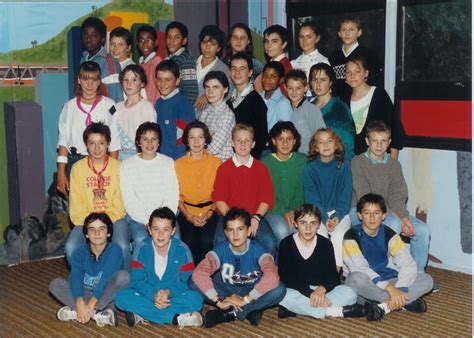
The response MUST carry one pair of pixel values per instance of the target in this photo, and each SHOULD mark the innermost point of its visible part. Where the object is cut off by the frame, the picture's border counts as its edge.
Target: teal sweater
(338, 117)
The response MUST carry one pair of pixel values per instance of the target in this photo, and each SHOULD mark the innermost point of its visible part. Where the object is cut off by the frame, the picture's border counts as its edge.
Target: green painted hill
(54, 51)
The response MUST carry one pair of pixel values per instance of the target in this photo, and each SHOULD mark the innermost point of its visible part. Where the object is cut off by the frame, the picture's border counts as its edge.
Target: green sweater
(287, 178)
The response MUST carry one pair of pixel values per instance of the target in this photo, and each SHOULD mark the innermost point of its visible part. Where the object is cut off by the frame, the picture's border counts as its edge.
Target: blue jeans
(279, 227)
(419, 244)
(120, 236)
(269, 299)
(138, 233)
(264, 235)
(298, 303)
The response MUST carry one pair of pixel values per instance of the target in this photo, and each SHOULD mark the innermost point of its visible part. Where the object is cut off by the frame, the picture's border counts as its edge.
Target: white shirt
(202, 72)
(305, 61)
(161, 261)
(148, 184)
(362, 106)
(351, 49)
(72, 122)
(238, 163)
(129, 119)
(148, 58)
(305, 250)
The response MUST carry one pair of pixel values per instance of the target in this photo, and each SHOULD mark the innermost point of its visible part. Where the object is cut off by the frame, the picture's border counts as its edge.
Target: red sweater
(152, 93)
(287, 66)
(243, 187)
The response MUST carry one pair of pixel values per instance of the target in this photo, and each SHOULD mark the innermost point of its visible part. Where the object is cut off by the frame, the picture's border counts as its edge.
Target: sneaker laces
(190, 319)
(65, 313)
(103, 318)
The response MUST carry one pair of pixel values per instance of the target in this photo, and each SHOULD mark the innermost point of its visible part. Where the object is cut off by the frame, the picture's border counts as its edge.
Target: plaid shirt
(220, 120)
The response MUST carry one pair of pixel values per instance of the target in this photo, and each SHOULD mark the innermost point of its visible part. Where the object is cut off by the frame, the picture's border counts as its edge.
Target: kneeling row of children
(239, 277)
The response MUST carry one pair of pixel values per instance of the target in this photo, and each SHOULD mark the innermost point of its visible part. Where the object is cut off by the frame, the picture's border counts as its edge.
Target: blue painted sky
(27, 21)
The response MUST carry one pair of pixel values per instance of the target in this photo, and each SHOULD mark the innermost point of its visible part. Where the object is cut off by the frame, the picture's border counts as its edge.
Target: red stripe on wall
(270, 12)
(435, 118)
(222, 16)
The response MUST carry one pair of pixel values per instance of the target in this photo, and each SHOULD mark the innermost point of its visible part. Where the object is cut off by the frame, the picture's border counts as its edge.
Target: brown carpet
(27, 310)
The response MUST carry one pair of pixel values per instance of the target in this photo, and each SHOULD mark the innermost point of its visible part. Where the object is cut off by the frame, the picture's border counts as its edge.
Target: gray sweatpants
(61, 290)
(367, 290)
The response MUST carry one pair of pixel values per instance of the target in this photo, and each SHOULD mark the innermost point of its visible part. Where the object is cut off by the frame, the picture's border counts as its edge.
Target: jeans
(120, 236)
(138, 233)
(419, 244)
(126, 153)
(279, 226)
(264, 235)
(336, 237)
(61, 290)
(298, 303)
(269, 299)
(367, 290)
(199, 239)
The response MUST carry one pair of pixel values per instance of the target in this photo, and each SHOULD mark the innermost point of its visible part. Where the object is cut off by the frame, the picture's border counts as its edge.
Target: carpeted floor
(28, 310)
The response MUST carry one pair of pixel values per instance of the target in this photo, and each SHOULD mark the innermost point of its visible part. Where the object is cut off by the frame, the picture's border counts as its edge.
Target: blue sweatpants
(131, 301)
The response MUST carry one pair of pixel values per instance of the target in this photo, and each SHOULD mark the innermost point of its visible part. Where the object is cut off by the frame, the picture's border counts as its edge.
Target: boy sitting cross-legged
(238, 276)
(160, 271)
(308, 268)
(95, 276)
(379, 265)
(95, 187)
(376, 172)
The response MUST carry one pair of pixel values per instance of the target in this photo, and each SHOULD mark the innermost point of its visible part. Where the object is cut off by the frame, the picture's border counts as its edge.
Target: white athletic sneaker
(106, 317)
(65, 314)
(190, 319)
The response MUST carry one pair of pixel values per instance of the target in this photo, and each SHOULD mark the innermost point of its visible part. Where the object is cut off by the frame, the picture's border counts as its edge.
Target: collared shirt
(305, 250)
(351, 49)
(170, 95)
(88, 57)
(178, 52)
(279, 108)
(236, 99)
(305, 61)
(374, 161)
(200, 71)
(148, 58)
(238, 163)
(279, 57)
(220, 121)
(279, 159)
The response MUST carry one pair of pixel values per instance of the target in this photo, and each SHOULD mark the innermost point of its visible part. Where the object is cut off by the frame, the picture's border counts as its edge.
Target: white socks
(334, 311)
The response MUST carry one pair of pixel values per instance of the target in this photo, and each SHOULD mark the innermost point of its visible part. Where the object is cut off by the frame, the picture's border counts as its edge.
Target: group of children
(213, 177)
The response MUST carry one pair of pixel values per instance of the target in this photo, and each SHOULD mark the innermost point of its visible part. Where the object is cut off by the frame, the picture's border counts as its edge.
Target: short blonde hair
(243, 127)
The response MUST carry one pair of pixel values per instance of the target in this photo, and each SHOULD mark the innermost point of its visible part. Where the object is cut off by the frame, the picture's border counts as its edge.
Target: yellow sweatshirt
(85, 197)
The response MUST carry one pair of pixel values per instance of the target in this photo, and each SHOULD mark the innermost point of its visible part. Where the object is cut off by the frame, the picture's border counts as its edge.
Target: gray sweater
(385, 179)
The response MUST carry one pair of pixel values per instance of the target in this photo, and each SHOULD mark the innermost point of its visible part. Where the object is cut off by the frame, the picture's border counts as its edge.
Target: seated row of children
(259, 103)
(241, 181)
(239, 277)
